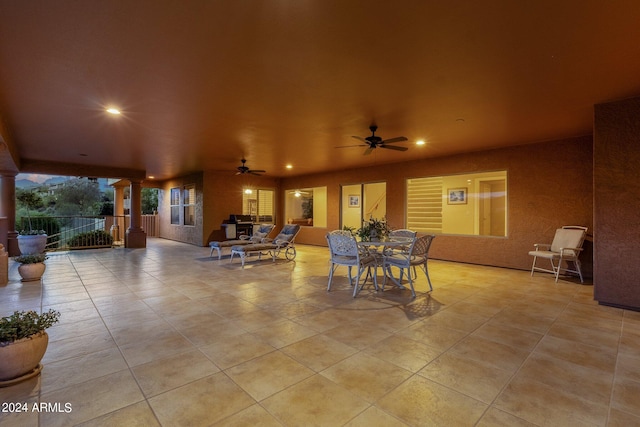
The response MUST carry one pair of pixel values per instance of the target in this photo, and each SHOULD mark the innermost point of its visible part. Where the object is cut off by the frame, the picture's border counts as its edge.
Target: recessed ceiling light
(420, 142)
(289, 166)
(113, 111)
(151, 177)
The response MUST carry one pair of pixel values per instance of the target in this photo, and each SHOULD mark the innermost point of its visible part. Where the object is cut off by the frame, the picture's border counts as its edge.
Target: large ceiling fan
(244, 169)
(372, 142)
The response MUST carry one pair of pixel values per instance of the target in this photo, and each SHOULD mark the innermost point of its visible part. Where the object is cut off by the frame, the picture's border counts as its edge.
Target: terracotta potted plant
(31, 266)
(31, 241)
(23, 342)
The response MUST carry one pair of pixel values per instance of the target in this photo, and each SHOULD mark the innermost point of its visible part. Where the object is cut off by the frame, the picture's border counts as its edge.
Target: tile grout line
(129, 368)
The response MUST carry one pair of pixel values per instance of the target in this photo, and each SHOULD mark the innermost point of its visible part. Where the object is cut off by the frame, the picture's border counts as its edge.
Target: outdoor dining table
(372, 247)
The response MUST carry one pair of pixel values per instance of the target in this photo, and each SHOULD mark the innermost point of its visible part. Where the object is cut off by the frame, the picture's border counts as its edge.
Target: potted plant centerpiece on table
(31, 241)
(31, 266)
(372, 230)
(23, 342)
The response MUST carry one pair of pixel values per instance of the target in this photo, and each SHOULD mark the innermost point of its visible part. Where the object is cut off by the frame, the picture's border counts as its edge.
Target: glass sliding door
(360, 202)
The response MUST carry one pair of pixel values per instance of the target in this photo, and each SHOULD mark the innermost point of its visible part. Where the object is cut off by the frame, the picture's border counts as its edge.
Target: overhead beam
(75, 169)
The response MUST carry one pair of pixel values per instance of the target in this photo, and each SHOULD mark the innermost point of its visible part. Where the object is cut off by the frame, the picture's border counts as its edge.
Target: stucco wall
(549, 185)
(617, 203)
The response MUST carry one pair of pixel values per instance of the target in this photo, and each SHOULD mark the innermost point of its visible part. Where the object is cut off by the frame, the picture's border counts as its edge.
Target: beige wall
(351, 216)
(458, 219)
(617, 203)
(549, 185)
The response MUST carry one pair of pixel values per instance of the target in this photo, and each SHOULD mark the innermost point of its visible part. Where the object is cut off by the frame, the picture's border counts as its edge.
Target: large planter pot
(31, 272)
(32, 243)
(20, 360)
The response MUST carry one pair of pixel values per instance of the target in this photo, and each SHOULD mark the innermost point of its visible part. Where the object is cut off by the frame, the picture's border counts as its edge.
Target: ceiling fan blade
(254, 173)
(396, 139)
(374, 141)
(393, 147)
(348, 146)
(257, 170)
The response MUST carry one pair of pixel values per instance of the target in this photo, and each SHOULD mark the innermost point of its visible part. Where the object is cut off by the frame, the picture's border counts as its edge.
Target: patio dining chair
(344, 251)
(416, 256)
(400, 233)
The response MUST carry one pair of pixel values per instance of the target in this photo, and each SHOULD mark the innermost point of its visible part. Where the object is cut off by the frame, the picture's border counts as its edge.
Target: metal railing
(84, 232)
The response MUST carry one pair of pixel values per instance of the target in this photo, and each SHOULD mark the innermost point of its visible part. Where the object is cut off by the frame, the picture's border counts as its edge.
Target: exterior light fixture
(297, 193)
(248, 191)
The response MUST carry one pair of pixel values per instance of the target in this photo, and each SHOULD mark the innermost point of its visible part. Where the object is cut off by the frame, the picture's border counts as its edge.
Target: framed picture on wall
(457, 196)
(354, 201)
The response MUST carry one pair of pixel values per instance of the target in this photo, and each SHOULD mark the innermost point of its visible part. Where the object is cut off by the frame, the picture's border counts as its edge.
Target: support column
(135, 236)
(616, 199)
(119, 222)
(118, 201)
(8, 211)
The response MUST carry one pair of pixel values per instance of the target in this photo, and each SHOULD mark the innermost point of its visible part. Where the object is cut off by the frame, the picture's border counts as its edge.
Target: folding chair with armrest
(566, 247)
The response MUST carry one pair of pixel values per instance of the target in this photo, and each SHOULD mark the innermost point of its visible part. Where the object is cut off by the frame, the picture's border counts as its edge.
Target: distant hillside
(26, 183)
(56, 180)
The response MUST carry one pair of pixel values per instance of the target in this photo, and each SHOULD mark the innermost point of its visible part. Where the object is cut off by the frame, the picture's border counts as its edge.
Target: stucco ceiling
(202, 84)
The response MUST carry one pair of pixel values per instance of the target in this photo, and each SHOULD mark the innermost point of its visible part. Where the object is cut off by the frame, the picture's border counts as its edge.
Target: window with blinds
(189, 204)
(424, 204)
(175, 205)
(472, 204)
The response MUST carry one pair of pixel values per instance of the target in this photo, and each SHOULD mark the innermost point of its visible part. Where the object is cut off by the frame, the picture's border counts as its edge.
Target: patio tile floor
(168, 336)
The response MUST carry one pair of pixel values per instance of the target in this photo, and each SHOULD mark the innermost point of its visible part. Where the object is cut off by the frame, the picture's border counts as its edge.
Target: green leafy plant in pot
(374, 229)
(31, 241)
(23, 343)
